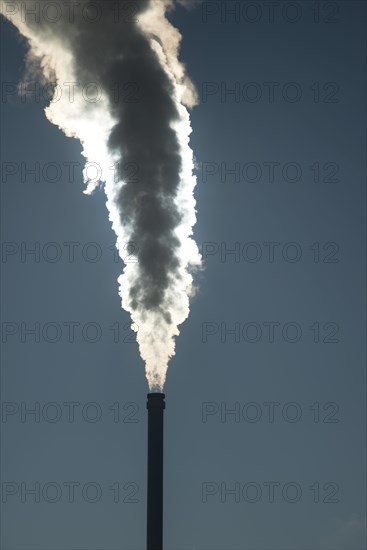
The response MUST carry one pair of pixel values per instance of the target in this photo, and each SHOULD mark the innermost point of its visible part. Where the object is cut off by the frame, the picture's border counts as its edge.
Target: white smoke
(72, 53)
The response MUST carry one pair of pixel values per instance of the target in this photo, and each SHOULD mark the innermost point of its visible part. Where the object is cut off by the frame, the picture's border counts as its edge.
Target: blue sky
(265, 398)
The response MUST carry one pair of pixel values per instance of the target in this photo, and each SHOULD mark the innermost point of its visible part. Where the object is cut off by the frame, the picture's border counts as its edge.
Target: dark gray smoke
(142, 137)
(134, 50)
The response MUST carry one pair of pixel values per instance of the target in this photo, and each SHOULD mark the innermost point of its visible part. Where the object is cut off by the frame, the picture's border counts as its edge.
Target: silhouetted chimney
(155, 406)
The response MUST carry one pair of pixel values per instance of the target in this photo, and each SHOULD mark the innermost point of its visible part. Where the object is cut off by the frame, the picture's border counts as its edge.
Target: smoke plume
(125, 55)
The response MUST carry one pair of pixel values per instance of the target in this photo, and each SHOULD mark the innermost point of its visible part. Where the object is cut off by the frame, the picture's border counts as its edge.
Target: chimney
(155, 406)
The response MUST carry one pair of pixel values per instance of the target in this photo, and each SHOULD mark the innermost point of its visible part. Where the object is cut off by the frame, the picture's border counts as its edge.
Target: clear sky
(265, 398)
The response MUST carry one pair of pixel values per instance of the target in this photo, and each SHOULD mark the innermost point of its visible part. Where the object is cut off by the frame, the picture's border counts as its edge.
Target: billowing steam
(126, 54)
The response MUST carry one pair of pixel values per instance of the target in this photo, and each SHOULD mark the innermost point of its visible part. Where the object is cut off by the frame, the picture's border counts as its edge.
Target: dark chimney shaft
(155, 406)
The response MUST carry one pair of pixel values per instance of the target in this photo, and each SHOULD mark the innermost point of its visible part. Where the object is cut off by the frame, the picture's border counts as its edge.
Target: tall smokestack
(155, 406)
